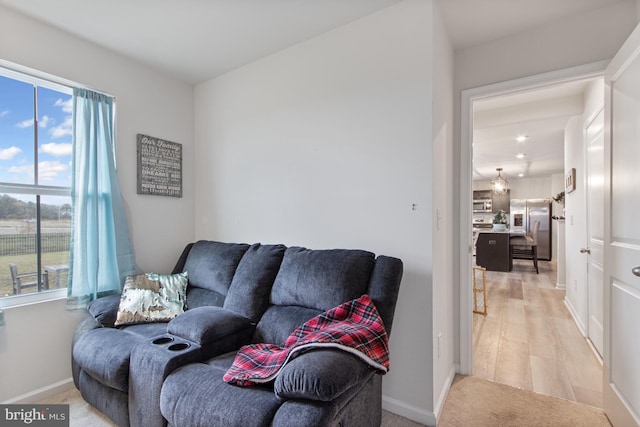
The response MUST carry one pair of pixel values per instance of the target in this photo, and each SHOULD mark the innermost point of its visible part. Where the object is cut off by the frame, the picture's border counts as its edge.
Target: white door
(622, 236)
(595, 233)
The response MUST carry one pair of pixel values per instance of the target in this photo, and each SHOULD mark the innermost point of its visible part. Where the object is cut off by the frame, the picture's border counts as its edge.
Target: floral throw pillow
(152, 297)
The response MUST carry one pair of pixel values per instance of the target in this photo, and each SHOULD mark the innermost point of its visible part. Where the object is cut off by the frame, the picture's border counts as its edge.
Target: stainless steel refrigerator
(524, 212)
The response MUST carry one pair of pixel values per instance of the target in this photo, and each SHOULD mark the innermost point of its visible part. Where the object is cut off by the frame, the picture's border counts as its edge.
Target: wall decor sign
(159, 167)
(570, 180)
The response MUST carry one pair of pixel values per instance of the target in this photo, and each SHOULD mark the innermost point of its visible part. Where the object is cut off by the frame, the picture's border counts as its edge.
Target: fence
(25, 244)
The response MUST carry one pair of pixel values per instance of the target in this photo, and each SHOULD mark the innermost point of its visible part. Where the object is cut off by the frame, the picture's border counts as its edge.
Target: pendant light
(499, 184)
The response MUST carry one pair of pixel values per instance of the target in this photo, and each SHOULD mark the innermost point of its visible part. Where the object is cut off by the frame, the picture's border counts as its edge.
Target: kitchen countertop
(507, 231)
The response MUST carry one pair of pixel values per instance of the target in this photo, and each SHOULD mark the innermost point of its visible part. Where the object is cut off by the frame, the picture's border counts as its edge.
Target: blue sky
(17, 130)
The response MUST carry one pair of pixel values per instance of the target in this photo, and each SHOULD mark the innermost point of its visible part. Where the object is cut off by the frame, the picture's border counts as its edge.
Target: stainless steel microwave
(483, 205)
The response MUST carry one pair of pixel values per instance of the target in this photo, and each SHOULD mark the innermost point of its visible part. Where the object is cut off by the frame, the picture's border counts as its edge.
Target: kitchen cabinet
(501, 202)
(482, 194)
(492, 251)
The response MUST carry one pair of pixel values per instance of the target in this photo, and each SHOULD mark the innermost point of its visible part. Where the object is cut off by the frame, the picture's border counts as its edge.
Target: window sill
(33, 298)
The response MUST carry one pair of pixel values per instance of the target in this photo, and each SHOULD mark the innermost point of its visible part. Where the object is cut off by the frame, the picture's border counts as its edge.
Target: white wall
(576, 205)
(556, 46)
(329, 144)
(35, 343)
(445, 316)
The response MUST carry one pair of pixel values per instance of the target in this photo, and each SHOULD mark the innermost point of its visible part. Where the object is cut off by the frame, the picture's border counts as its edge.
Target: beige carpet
(472, 402)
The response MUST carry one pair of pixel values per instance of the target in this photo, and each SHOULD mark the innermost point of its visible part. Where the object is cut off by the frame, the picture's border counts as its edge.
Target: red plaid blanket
(355, 326)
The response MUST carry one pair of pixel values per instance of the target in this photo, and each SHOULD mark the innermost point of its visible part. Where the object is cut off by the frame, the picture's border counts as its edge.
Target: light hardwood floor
(529, 340)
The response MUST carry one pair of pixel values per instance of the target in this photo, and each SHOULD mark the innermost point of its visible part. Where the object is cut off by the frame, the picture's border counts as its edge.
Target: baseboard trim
(406, 410)
(42, 393)
(575, 317)
(444, 392)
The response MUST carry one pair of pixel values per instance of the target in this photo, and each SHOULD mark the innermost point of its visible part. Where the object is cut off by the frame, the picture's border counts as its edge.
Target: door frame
(468, 97)
(615, 405)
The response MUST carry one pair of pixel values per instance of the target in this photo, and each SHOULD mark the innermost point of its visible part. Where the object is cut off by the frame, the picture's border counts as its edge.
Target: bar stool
(526, 247)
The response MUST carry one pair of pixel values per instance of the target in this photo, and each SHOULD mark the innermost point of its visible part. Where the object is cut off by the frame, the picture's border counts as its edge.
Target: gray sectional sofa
(159, 373)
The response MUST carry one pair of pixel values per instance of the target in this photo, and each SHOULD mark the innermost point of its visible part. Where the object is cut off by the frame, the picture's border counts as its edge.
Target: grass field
(26, 264)
(20, 226)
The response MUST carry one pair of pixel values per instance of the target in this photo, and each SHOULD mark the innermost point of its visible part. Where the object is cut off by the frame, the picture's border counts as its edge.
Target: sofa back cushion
(251, 285)
(321, 279)
(278, 322)
(211, 267)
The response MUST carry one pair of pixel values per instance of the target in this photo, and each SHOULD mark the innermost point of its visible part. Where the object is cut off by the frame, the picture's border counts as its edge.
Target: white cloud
(25, 123)
(3, 113)
(55, 149)
(66, 105)
(44, 121)
(65, 129)
(9, 153)
(22, 170)
(48, 171)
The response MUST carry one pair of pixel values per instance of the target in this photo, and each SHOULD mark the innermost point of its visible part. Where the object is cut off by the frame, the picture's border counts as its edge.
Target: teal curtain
(101, 255)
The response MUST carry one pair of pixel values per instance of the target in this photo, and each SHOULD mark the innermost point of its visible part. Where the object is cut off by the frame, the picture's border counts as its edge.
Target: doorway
(522, 285)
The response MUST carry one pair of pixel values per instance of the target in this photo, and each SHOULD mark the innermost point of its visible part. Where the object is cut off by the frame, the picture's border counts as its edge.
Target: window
(35, 181)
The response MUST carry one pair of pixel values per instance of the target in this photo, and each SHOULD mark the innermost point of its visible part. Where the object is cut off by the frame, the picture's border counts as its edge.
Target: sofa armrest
(204, 325)
(321, 375)
(105, 310)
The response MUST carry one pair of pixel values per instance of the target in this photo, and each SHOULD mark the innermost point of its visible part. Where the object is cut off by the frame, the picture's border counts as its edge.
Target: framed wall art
(570, 181)
(159, 167)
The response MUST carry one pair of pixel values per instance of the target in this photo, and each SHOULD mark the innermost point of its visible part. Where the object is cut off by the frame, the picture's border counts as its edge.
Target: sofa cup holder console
(170, 343)
(162, 340)
(179, 346)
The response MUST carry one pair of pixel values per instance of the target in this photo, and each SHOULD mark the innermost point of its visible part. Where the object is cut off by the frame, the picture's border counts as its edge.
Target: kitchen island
(493, 250)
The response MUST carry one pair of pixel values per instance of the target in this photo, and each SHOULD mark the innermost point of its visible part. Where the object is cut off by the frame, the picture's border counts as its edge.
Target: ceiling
(473, 22)
(540, 115)
(196, 40)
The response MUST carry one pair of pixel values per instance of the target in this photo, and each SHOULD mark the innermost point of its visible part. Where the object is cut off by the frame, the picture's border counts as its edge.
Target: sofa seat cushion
(196, 395)
(104, 354)
(146, 330)
(199, 297)
(322, 279)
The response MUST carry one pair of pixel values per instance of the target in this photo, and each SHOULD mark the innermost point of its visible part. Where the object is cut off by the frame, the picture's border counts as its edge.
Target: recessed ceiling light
(520, 175)
(521, 156)
(521, 138)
